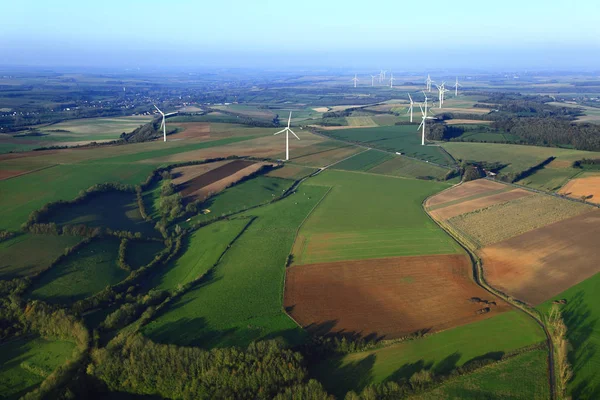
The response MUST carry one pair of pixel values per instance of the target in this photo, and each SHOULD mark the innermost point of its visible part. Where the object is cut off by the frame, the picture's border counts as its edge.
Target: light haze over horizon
(463, 34)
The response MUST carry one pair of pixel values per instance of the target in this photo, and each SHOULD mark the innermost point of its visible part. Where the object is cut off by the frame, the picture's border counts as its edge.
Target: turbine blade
(158, 109)
(292, 132)
(289, 119)
(277, 133)
(420, 125)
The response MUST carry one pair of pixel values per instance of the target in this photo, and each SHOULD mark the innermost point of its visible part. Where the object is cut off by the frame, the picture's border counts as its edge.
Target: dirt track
(389, 297)
(544, 262)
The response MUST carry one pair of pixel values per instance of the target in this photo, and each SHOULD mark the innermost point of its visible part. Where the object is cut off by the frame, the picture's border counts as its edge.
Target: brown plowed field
(579, 187)
(182, 175)
(224, 183)
(476, 204)
(389, 297)
(464, 190)
(544, 262)
(5, 173)
(189, 187)
(192, 130)
(325, 157)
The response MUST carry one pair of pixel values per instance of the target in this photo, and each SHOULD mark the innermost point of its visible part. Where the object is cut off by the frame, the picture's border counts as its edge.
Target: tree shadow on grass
(339, 378)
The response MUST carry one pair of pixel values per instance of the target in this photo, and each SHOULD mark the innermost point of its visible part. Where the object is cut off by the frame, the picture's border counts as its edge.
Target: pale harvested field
(386, 297)
(504, 221)
(192, 130)
(580, 187)
(321, 109)
(445, 213)
(464, 190)
(466, 122)
(542, 263)
(363, 122)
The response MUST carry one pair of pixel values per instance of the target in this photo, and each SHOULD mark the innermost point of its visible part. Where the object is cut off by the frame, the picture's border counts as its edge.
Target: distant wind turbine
(441, 91)
(355, 79)
(425, 118)
(410, 108)
(383, 72)
(428, 83)
(287, 131)
(163, 125)
(392, 79)
(373, 79)
(456, 85)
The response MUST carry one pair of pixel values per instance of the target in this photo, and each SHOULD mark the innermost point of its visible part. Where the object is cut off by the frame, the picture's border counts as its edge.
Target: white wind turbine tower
(456, 85)
(163, 125)
(441, 91)
(410, 108)
(428, 83)
(392, 79)
(425, 118)
(383, 72)
(355, 79)
(287, 131)
(373, 79)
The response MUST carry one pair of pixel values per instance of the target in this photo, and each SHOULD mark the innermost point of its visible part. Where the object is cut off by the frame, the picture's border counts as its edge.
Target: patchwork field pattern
(542, 263)
(363, 161)
(370, 216)
(388, 297)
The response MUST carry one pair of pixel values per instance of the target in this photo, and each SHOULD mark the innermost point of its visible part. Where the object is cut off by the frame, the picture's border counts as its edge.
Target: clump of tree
(558, 333)
(472, 172)
(6, 235)
(137, 365)
(441, 131)
(589, 163)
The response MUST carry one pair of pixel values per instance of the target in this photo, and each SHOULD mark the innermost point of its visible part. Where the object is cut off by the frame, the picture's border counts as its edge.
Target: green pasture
(27, 254)
(82, 274)
(253, 192)
(26, 362)
(400, 138)
(485, 136)
(363, 161)
(438, 353)
(409, 168)
(370, 216)
(115, 210)
(523, 377)
(141, 252)
(549, 179)
(582, 317)
(241, 299)
(200, 251)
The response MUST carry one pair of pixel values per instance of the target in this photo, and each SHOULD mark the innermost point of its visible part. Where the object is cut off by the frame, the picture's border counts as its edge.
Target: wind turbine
(383, 73)
(355, 79)
(410, 108)
(287, 137)
(163, 125)
(425, 118)
(441, 91)
(373, 79)
(392, 79)
(428, 83)
(456, 85)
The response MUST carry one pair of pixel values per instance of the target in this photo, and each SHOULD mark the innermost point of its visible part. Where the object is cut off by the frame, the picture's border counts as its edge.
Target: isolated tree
(276, 120)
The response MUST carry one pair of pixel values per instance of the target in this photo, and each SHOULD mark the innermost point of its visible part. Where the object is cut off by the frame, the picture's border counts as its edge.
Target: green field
(364, 161)
(241, 299)
(401, 138)
(115, 210)
(484, 136)
(201, 250)
(259, 190)
(27, 254)
(81, 274)
(523, 377)
(26, 362)
(140, 253)
(582, 315)
(370, 216)
(439, 353)
(408, 168)
(549, 179)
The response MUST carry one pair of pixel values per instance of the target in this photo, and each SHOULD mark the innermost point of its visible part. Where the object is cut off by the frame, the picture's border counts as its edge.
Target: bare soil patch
(583, 187)
(388, 297)
(189, 187)
(544, 262)
(192, 130)
(464, 190)
(182, 175)
(222, 184)
(5, 173)
(321, 109)
(477, 204)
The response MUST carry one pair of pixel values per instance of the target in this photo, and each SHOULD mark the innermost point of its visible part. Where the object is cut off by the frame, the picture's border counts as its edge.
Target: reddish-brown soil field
(192, 130)
(464, 190)
(5, 174)
(544, 262)
(476, 204)
(24, 154)
(224, 183)
(387, 297)
(579, 187)
(188, 187)
(182, 175)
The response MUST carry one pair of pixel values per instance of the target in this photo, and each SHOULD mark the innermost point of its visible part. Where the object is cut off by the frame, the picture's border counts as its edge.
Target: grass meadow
(363, 161)
(141, 252)
(80, 275)
(26, 362)
(241, 299)
(409, 168)
(523, 377)
(370, 216)
(27, 254)
(439, 353)
(400, 138)
(200, 252)
(582, 317)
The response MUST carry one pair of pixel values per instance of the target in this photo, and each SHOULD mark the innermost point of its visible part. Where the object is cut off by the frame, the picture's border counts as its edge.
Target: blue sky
(335, 33)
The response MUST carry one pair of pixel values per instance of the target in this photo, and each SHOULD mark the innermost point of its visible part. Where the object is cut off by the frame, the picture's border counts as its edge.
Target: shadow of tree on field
(345, 377)
(404, 373)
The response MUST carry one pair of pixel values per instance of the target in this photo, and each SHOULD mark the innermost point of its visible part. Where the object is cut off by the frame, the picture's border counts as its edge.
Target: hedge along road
(479, 280)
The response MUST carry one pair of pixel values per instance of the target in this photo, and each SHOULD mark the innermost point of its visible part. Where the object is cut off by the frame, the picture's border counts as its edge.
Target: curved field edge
(439, 353)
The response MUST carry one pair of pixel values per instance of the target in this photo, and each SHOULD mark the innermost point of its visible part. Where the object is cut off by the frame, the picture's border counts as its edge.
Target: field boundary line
(479, 278)
(347, 158)
(290, 252)
(30, 172)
